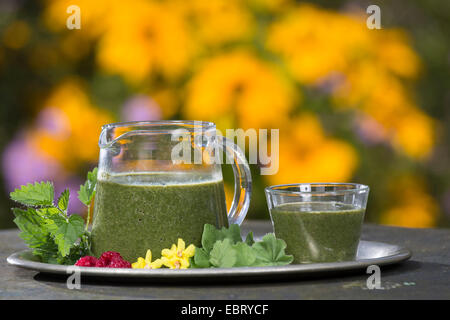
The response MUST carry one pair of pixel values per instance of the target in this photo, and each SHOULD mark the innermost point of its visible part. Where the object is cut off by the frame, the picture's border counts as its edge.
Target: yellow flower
(177, 257)
(307, 154)
(216, 22)
(413, 206)
(238, 84)
(147, 263)
(145, 38)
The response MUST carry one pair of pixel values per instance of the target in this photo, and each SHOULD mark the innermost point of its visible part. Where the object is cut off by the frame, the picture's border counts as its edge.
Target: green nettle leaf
(38, 194)
(222, 255)
(31, 226)
(87, 191)
(66, 232)
(270, 251)
(63, 200)
(45, 227)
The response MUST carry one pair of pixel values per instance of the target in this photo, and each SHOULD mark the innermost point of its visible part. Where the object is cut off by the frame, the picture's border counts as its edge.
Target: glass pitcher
(162, 180)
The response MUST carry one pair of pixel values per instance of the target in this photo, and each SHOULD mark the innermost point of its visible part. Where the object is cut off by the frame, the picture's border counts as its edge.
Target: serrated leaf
(31, 226)
(66, 232)
(222, 255)
(37, 194)
(63, 200)
(271, 251)
(87, 190)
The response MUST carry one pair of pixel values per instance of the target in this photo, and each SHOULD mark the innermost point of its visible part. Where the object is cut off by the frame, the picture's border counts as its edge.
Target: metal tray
(369, 253)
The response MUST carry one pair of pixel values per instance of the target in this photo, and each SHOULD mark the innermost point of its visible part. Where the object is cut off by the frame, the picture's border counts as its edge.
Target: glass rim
(354, 188)
(150, 124)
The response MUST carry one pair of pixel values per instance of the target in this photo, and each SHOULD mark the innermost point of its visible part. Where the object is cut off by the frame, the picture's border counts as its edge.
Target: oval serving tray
(369, 253)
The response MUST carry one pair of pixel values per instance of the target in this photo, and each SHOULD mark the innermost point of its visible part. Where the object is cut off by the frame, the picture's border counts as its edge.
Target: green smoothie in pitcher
(136, 212)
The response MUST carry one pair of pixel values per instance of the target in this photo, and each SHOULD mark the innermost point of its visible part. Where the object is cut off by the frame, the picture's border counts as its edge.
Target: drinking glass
(320, 222)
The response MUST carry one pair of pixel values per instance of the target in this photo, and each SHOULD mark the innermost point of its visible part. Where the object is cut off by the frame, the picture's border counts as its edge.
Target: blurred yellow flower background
(335, 89)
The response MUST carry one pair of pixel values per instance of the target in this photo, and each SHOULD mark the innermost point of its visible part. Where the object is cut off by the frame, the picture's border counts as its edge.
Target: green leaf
(201, 259)
(66, 232)
(211, 235)
(222, 255)
(63, 200)
(31, 224)
(245, 255)
(35, 234)
(271, 251)
(38, 194)
(249, 239)
(87, 191)
(233, 233)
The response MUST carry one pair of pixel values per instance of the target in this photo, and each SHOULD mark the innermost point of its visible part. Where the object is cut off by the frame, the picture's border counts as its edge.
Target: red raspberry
(119, 264)
(101, 264)
(108, 256)
(87, 261)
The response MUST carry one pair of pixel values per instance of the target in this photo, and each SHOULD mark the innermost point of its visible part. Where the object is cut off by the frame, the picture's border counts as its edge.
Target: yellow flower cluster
(245, 64)
(413, 206)
(307, 154)
(177, 257)
(239, 85)
(319, 44)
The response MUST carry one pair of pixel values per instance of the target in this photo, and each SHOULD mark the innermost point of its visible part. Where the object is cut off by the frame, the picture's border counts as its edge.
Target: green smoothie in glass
(320, 222)
(318, 231)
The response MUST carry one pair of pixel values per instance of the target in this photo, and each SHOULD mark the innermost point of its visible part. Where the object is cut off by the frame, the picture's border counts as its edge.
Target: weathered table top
(425, 276)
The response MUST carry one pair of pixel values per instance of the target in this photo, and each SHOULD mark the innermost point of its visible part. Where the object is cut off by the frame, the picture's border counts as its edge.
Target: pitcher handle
(242, 180)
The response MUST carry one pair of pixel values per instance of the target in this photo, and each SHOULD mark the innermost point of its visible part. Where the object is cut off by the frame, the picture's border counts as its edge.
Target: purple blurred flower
(141, 108)
(54, 121)
(369, 130)
(22, 164)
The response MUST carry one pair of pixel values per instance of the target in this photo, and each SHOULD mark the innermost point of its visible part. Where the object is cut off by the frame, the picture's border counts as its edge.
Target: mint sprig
(46, 227)
(224, 248)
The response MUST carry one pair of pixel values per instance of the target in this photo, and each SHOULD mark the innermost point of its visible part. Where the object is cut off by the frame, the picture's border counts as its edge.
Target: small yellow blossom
(147, 263)
(177, 257)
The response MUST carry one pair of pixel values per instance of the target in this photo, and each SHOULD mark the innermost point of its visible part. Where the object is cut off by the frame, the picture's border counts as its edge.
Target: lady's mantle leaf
(270, 251)
(38, 194)
(245, 255)
(211, 235)
(222, 255)
(200, 259)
